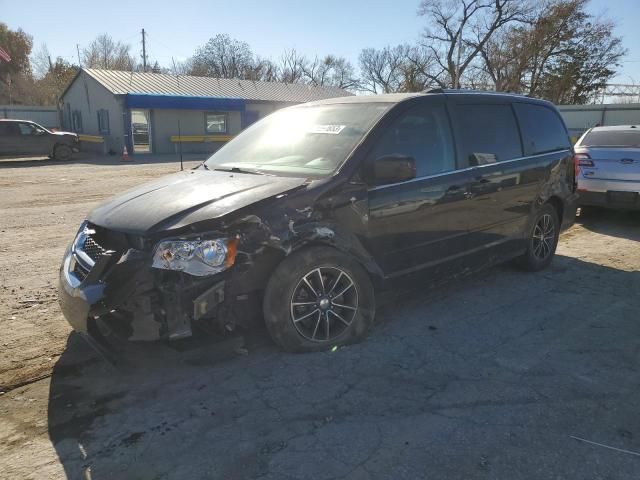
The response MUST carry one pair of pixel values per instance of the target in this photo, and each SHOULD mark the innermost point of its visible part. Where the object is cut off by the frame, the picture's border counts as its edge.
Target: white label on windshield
(330, 129)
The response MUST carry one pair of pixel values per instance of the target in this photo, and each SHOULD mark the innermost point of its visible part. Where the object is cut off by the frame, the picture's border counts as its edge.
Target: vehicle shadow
(92, 159)
(617, 223)
(480, 377)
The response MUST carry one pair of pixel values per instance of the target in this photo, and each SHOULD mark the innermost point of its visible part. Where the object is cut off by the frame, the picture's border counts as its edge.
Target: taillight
(581, 160)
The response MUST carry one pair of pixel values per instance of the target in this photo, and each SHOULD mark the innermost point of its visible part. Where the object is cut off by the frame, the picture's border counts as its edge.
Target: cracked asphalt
(499, 375)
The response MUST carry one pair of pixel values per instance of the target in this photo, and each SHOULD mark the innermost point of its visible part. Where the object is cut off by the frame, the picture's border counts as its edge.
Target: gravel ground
(499, 375)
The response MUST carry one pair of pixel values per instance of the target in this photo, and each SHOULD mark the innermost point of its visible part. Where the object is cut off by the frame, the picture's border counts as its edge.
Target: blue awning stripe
(184, 102)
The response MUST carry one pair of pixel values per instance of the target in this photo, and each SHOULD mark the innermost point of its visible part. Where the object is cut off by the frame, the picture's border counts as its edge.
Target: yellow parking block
(200, 138)
(91, 138)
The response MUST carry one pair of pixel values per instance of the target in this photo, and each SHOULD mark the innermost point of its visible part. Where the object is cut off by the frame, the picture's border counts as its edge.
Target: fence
(45, 116)
(582, 117)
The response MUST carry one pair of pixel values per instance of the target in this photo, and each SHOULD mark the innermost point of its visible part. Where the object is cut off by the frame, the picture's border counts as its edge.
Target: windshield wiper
(238, 170)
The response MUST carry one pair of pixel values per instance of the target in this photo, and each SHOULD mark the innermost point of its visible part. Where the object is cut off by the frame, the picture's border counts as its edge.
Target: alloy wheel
(324, 304)
(543, 237)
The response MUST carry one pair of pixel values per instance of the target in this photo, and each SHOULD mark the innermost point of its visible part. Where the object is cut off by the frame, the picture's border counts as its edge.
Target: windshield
(307, 141)
(612, 138)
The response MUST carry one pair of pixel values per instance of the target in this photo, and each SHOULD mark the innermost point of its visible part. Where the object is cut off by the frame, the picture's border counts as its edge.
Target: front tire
(316, 299)
(542, 240)
(62, 152)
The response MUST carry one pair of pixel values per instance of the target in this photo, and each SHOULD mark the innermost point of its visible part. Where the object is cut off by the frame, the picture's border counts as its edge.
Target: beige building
(158, 113)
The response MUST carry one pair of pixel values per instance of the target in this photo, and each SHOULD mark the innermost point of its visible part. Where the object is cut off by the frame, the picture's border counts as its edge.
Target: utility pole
(144, 52)
(78, 50)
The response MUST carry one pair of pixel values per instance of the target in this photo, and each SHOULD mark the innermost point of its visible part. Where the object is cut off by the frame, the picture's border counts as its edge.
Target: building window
(215, 122)
(67, 117)
(103, 122)
(76, 121)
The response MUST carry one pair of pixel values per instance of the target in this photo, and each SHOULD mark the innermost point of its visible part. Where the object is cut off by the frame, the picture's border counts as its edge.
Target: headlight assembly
(196, 257)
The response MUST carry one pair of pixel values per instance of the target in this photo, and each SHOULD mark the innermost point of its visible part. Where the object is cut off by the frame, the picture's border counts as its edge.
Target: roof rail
(474, 92)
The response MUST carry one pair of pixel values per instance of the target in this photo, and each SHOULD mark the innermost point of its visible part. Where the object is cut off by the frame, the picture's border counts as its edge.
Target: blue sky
(341, 27)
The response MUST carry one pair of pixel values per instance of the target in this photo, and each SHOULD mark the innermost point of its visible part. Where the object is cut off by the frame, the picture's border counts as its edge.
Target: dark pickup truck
(24, 138)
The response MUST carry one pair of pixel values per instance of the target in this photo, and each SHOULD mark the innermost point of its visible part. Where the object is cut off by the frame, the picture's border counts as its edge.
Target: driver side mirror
(393, 169)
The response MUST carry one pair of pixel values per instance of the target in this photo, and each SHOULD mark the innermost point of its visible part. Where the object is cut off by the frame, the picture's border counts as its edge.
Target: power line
(154, 40)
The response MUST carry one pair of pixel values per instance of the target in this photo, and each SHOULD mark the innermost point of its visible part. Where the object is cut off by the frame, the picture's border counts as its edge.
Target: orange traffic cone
(125, 154)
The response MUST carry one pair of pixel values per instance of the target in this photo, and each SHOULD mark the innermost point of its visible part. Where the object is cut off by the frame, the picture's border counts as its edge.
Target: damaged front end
(128, 286)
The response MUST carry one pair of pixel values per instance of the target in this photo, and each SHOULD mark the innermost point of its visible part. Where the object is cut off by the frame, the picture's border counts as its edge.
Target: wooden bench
(177, 139)
(91, 138)
(92, 143)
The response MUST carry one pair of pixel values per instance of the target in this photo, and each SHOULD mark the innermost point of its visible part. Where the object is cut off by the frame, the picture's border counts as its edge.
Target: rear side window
(422, 132)
(9, 128)
(489, 133)
(542, 129)
(612, 138)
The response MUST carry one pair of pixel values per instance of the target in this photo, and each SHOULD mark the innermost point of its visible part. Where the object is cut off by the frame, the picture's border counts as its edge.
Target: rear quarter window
(542, 129)
(489, 133)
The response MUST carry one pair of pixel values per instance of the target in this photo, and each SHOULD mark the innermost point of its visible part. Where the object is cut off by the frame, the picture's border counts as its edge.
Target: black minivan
(310, 209)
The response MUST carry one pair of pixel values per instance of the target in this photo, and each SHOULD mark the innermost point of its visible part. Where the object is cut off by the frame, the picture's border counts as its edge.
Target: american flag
(4, 56)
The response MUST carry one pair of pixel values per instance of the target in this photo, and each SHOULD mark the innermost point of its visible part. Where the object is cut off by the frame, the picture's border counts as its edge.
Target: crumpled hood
(186, 197)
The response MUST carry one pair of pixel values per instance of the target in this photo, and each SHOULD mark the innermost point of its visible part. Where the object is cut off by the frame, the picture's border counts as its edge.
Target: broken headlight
(196, 257)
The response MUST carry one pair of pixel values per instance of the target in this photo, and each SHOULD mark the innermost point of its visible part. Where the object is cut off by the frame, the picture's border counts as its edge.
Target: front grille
(92, 244)
(92, 249)
(80, 271)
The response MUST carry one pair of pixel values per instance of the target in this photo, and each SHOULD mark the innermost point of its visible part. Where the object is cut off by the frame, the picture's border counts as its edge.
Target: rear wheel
(542, 239)
(62, 152)
(316, 299)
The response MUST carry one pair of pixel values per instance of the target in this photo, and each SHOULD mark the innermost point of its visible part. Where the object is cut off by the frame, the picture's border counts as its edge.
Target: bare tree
(41, 61)
(329, 71)
(49, 88)
(292, 66)
(264, 70)
(403, 68)
(564, 54)
(224, 57)
(106, 53)
(343, 74)
(381, 70)
(592, 57)
(458, 30)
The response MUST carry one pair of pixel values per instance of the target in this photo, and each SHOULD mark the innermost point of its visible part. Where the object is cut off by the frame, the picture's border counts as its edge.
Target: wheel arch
(558, 204)
(353, 251)
(56, 145)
